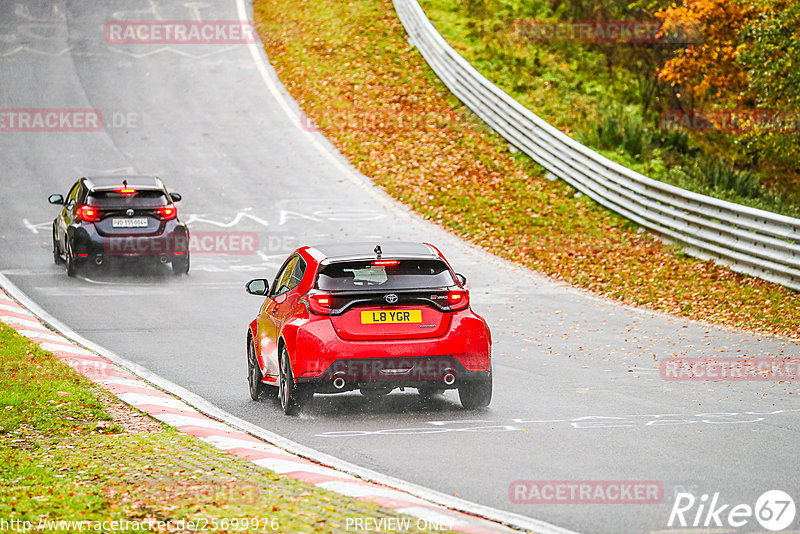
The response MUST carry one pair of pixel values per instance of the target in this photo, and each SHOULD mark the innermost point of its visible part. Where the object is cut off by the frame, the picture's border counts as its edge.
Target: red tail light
(88, 213)
(385, 262)
(126, 191)
(320, 303)
(458, 299)
(168, 212)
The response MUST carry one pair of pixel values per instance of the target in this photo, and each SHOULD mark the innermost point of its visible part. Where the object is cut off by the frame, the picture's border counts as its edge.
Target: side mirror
(259, 286)
(55, 199)
(176, 197)
(461, 279)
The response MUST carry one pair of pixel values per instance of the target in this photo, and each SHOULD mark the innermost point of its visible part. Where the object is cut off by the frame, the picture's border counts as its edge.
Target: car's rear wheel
(292, 396)
(476, 394)
(72, 264)
(56, 254)
(180, 265)
(254, 375)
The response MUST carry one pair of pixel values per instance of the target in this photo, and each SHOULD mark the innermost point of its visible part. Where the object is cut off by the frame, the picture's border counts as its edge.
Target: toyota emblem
(129, 213)
(391, 298)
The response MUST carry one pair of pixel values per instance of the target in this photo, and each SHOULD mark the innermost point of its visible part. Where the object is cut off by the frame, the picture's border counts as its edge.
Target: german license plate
(136, 222)
(398, 316)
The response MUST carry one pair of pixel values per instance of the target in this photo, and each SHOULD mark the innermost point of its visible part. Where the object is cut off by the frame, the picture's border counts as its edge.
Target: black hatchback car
(108, 217)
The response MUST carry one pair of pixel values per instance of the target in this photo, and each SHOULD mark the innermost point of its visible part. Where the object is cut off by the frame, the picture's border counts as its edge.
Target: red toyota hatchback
(373, 318)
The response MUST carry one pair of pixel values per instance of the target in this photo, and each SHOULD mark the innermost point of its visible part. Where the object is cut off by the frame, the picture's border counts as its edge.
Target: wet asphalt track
(577, 391)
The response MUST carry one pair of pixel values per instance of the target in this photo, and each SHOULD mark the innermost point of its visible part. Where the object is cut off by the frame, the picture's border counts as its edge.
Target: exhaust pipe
(338, 382)
(449, 377)
(98, 260)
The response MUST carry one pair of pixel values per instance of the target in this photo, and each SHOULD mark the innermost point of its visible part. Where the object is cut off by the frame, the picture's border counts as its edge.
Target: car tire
(287, 389)
(57, 259)
(180, 265)
(254, 375)
(429, 393)
(72, 265)
(476, 394)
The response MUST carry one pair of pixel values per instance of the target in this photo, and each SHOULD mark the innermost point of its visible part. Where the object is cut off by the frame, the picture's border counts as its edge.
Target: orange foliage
(709, 68)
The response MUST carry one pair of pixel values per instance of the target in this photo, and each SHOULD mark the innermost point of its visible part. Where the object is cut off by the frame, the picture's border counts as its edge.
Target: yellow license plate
(398, 316)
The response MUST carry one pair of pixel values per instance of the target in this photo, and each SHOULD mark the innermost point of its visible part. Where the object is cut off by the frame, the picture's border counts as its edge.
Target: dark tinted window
(139, 199)
(297, 273)
(290, 276)
(407, 274)
(72, 196)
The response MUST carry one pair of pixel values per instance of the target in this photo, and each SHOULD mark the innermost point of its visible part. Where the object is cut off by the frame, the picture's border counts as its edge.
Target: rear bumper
(88, 245)
(433, 372)
(319, 356)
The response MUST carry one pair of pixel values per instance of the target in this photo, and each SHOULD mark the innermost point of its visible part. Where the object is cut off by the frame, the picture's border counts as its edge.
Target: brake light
(458, 300)
(126, 191)
(88, 213)
(385, 262)
(168, 212)
(320, 303)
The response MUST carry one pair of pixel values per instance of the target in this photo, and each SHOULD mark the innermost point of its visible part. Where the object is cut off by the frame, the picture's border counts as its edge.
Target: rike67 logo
(774, 510)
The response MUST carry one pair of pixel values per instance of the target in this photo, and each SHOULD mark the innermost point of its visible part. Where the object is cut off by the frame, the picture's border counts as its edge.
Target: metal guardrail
(747, 240)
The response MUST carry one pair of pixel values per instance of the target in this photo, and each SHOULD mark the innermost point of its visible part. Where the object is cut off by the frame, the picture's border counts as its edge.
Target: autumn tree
(710, 69)
(772, 55)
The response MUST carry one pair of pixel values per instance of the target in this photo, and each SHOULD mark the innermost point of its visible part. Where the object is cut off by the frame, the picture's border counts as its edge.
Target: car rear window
(139, 199)
(406, 274)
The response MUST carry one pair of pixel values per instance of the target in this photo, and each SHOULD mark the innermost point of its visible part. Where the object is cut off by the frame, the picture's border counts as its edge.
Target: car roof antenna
(378, 251)
(124, 184)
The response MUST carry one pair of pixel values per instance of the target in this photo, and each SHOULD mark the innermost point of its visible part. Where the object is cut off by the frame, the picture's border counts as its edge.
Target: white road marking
(12, 308)
(92, 171)
(585, 422)
(185, 420)
(35, 334)
(362, 490)
(65, 348)
(172, 50)
(141, 399)
(13, 321)
(21, 10)
(288, 466)
(25, 48)
(241, 215)
(38, 226)
(227, 443)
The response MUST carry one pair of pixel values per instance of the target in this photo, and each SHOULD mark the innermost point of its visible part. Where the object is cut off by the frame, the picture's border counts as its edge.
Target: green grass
(353, 72)
(62, 458)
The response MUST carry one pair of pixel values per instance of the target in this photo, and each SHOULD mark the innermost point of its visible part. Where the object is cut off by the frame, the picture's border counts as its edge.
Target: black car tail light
(88, 213)
(168, 212)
